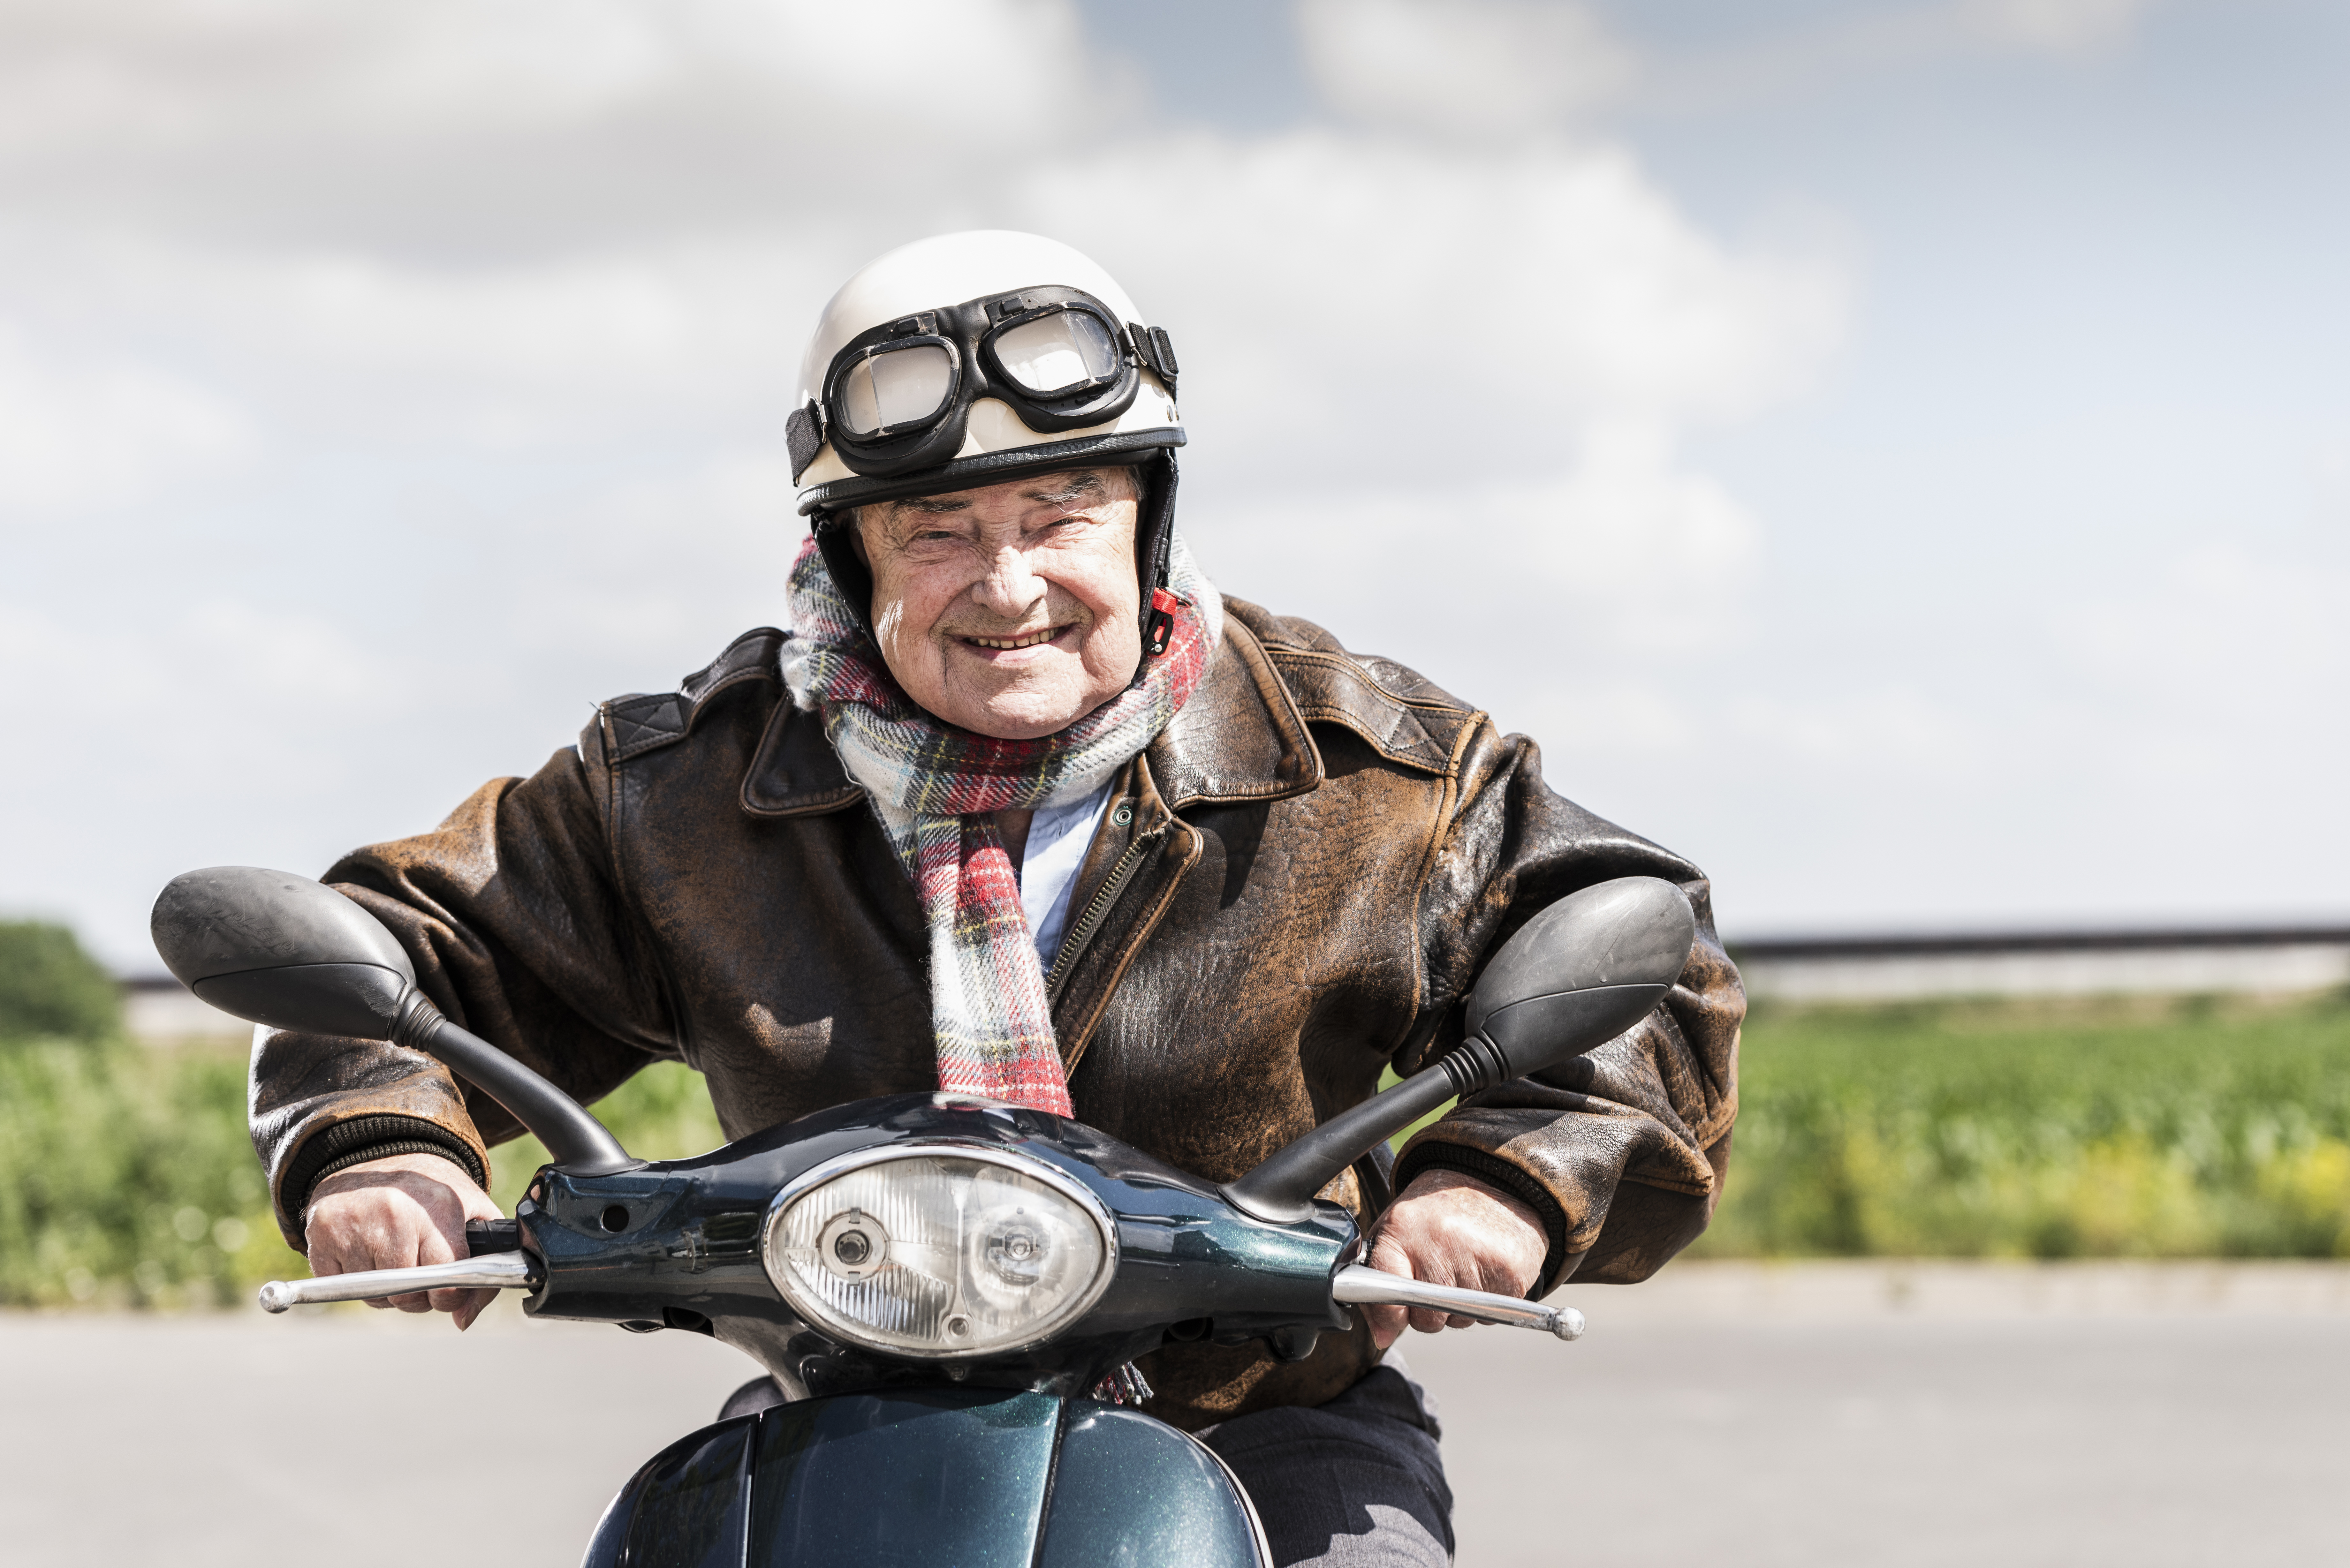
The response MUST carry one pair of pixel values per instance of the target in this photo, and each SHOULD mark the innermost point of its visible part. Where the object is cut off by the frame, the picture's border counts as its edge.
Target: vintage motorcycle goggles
(896, 397)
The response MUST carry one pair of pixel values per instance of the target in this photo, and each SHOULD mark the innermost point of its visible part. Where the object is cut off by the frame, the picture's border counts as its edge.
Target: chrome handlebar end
(1360, 1286)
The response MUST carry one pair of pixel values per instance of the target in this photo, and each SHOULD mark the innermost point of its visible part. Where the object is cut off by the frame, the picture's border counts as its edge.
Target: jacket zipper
(1082, 933)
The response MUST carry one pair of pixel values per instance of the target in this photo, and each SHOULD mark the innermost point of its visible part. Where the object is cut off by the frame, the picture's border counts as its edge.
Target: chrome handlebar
(1354, 1284)
(497, 1271)
(1361, 1286)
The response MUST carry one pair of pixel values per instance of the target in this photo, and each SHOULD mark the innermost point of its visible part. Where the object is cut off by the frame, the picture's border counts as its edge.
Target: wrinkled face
(1012, 610)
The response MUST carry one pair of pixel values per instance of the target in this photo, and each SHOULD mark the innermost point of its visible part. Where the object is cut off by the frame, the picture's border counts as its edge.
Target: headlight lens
(934, 1253)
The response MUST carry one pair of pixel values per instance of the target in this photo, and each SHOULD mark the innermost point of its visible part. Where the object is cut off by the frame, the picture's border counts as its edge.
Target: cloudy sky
(1898, 454)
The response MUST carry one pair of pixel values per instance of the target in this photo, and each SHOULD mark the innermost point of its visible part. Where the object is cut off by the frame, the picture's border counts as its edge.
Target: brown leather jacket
(1293, 888)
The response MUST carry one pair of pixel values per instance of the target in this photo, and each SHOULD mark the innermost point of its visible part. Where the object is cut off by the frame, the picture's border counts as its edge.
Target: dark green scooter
(947, 1293)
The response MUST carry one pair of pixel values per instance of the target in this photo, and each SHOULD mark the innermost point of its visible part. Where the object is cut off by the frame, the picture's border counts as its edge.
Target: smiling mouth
(1024, 639)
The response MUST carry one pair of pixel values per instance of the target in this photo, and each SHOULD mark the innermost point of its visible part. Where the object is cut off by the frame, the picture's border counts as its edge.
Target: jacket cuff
(1428, 1155)
(363, 1138)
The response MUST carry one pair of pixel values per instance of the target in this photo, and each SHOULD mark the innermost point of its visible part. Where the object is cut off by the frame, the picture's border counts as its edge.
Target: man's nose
(1010, 589)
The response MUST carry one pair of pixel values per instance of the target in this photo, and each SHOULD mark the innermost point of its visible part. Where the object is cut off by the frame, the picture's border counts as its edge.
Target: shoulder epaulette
(642, 722)
(1405, 717)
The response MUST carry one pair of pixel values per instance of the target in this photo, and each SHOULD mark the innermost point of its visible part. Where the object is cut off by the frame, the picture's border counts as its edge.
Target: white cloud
(440, 123)
(2055, 26)
(1368, 299)
(1599, 544)
(1876, 41)
(108, 432)
(1582, 607)
(1886, 729)
(1462, 67)
(2219, 641)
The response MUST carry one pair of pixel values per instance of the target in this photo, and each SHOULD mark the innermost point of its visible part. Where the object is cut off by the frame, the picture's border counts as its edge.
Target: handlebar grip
(484, 1236)
(1361, 1286)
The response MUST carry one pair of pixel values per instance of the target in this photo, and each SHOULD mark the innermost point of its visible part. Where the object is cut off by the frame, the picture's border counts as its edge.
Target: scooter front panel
(904, 1479)
(1132, 1492)
(686, 1508)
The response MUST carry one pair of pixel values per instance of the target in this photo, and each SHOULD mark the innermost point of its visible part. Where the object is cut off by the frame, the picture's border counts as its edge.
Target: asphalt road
(1722, 1415)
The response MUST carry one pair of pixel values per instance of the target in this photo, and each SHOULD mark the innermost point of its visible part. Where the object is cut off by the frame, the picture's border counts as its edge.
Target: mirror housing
(287, 953)
(1579, 973)
(1582, 972)
(281, 951)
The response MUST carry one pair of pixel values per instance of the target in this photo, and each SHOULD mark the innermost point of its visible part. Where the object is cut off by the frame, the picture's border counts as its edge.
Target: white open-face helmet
(972, 358)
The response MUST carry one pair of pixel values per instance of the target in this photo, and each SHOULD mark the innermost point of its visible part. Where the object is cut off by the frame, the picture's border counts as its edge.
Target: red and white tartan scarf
(932, 784)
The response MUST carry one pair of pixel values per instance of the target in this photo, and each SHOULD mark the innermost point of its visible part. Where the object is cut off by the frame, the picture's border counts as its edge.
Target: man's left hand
(1452, 1230)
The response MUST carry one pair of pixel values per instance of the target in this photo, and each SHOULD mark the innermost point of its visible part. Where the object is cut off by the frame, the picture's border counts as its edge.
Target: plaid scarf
(932, 784)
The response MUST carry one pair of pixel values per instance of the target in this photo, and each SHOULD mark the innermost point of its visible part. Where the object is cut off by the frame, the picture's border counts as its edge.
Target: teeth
(1031, 640)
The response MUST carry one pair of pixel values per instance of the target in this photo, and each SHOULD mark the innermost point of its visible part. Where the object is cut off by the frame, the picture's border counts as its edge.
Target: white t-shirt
(1058, 838)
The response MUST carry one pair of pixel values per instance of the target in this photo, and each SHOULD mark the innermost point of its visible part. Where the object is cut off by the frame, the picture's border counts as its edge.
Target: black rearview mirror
(282, 951)
(1582, 972)
(1578, 974)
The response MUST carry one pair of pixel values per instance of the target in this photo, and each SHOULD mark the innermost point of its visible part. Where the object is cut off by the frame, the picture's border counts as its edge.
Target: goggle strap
(804, 437)
(1155, 349)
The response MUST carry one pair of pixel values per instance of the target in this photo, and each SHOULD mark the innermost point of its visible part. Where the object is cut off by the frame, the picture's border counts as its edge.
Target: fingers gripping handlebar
(1362, 1286)
(497, 1262)
(498, 1270)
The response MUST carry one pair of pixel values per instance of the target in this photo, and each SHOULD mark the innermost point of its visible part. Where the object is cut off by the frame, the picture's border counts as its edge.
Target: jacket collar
(796, 772)
(1241, 738)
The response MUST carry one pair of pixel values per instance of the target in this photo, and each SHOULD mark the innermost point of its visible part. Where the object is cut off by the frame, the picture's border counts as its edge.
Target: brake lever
(1359, 1285)
(498, 1270)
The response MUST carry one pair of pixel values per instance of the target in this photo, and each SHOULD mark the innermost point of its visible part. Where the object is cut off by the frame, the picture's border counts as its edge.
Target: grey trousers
(1355, 1483)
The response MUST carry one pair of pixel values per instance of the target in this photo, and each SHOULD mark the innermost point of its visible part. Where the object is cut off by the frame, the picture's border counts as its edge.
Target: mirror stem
(574, 1140)
(1282, 1189)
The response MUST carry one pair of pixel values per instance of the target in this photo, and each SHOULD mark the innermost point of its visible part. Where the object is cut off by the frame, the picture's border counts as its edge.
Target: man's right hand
(398, 1214)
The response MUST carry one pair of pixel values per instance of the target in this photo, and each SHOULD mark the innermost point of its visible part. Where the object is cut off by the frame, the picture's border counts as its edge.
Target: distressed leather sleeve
(511, 912)
(1623, 1149)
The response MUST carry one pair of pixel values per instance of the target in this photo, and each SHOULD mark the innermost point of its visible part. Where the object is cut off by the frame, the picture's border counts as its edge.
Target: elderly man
(1023, 807)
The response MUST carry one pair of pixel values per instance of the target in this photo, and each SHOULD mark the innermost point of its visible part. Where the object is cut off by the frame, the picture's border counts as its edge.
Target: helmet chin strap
(1154, 546)
(836, 540)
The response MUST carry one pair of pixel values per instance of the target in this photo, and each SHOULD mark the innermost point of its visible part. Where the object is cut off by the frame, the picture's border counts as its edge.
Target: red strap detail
(1160, 628)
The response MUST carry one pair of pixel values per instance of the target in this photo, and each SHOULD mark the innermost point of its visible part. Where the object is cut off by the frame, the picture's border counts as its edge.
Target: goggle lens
(894, 386)
(1063, 352)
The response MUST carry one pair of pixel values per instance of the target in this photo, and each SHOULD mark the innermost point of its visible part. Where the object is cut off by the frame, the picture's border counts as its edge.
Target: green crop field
(2117, 1129)
(2113, 1128)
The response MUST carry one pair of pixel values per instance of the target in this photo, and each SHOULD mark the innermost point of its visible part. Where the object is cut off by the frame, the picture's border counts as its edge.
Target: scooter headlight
(939, 1251)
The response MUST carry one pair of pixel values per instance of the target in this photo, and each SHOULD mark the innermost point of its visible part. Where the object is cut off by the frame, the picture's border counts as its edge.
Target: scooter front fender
(932, 1478)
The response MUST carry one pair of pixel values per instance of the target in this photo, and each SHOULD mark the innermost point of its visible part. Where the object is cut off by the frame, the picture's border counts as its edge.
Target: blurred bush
(2117, 1129)
(50, 986)
(127, 1179)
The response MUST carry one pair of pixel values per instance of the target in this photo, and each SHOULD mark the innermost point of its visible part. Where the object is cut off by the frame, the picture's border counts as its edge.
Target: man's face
(1012, 610)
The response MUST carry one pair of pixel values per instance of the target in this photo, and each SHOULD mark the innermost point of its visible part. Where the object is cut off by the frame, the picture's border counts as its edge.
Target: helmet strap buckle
(1159, 629)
